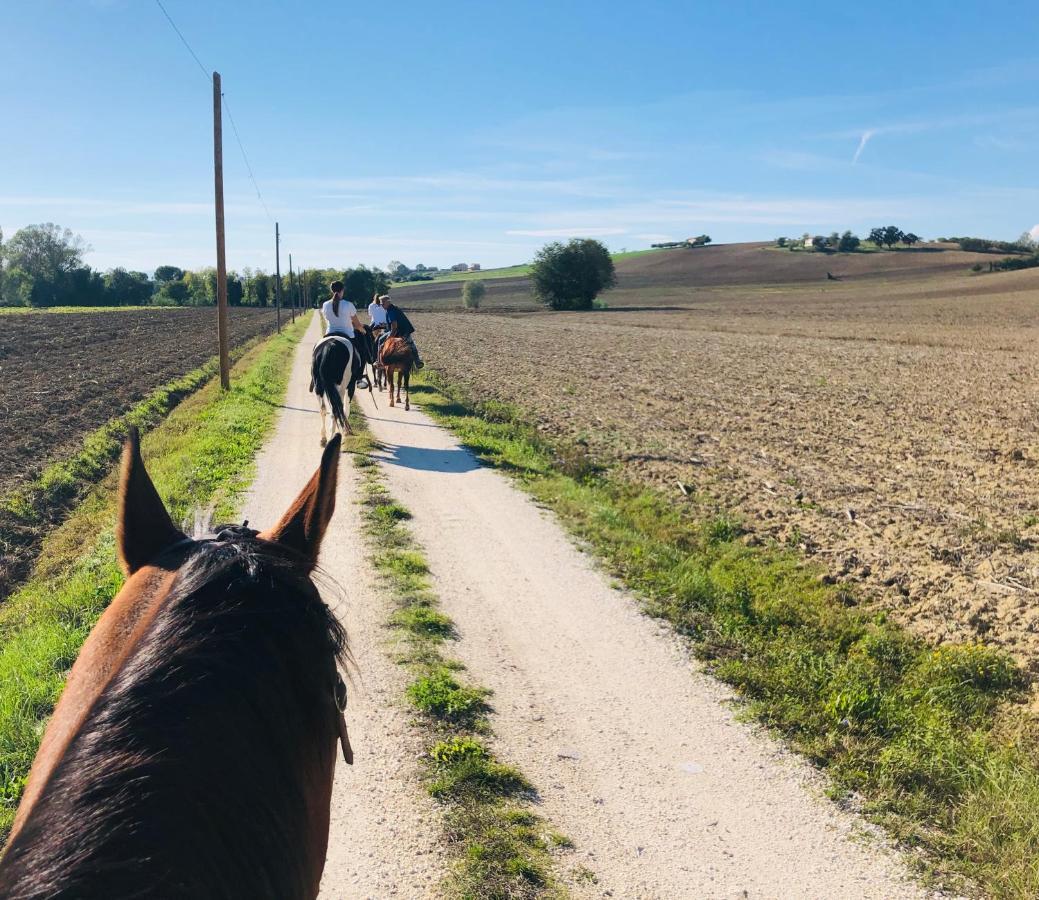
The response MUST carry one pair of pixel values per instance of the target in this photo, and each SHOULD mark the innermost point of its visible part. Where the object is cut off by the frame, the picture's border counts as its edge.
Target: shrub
(848, 242)
(1016, 262)
(572, 275)
(985, 245)
(472, 293)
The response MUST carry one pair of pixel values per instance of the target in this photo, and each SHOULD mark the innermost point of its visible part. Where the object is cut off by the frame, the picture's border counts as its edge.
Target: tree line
(848, 242)
(42, 265)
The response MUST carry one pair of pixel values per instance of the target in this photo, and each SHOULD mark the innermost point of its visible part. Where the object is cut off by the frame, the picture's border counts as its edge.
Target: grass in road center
(502, 849)
(935, 742)
(200, 457)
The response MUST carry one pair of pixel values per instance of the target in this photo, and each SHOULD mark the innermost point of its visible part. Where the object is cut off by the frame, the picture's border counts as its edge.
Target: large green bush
(472, 294)
(572, 275)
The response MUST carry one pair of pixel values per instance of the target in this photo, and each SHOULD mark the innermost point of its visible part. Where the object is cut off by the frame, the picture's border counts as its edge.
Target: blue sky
(464, 131)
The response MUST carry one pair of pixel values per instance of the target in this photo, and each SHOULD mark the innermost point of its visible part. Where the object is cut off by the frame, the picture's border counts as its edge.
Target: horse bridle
(344, 737)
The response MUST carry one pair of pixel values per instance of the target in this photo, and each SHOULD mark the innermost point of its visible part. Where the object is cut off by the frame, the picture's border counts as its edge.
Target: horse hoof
(324, 442)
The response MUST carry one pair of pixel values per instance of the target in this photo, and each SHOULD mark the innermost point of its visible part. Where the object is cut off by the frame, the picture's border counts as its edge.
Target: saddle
(341, 338)
(356, 358)
(395, 351)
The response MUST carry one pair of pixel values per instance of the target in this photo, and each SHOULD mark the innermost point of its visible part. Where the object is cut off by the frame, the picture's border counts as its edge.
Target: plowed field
(885, 427)
(64, 374)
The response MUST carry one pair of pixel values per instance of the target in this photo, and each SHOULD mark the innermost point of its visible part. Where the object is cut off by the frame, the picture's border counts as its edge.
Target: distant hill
(717, 266)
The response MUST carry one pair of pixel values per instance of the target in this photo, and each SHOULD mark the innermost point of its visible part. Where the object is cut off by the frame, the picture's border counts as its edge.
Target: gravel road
(637, 754)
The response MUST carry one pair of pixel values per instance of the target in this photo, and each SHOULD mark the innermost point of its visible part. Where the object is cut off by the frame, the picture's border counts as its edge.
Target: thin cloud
(866, 135)
(460, 182)
(567, 232)
(991, 142)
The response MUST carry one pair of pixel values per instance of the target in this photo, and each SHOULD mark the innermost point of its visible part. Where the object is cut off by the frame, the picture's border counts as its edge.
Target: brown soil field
(658, 275)
(882, 425)
(64, 374)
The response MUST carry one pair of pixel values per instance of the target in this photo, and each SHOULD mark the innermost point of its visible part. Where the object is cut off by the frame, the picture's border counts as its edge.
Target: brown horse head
(193, 748)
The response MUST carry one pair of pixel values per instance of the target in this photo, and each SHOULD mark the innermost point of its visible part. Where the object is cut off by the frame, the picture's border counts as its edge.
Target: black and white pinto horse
(333, 376)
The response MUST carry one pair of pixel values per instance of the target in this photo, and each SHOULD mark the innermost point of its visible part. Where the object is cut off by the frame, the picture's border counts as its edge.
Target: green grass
(439, 695)
(501, 848)
(201, 456)
(935, 741)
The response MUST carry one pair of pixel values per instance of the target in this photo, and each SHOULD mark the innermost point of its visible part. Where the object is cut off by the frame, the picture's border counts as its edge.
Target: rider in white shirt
(376, 314)
(341, 318)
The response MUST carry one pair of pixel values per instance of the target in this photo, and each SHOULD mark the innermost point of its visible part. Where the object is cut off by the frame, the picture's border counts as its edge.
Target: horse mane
(207, 732)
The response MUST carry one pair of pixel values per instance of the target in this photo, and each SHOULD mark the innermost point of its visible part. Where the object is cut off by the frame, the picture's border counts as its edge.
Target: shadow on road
(410, 424)
(451, 461)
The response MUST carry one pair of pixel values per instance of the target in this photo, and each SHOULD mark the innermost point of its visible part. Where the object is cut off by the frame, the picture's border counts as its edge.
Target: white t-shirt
(376, 313)
(341, 324)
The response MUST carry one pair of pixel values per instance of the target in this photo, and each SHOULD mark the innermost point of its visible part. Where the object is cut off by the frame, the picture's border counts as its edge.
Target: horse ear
(143, 527)
(304, 523)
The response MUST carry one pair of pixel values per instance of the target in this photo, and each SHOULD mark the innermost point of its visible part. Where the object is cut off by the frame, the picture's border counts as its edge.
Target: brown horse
(193, 749)
(396, 356)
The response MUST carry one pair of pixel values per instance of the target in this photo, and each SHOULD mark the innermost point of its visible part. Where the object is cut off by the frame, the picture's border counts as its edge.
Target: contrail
(866, 135)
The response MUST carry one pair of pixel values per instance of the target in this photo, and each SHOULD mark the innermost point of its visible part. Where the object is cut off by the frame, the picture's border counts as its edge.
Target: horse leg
(321, 404)
(407, 389)
(347, 396)
(389, 381)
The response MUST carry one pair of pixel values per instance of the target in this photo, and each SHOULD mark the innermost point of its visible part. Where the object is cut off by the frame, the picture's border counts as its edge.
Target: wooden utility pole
(221, 261)
(277, 273)
(292, 290)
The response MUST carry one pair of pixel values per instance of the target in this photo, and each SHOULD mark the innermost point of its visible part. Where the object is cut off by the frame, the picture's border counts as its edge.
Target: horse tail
(335, 405)
(325, 378)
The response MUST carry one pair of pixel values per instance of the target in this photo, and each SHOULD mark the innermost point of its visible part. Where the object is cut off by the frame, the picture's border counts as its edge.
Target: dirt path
(384, 839)
(635, 752)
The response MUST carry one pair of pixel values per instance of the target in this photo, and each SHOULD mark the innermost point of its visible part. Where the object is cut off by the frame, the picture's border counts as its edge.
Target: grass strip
(934, 743)
(501, 848)
(27, 513)
(200, 457)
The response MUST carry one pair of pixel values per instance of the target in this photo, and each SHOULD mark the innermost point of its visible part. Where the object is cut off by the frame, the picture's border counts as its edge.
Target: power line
(234, 127)
(205, 72)
(245, 158)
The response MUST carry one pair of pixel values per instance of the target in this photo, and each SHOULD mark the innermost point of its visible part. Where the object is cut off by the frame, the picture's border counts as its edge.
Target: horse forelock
(201, 735)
